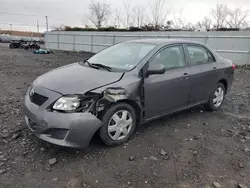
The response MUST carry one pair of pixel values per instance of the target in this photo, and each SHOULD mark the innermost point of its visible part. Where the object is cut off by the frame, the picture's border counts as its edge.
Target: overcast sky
(74, 12)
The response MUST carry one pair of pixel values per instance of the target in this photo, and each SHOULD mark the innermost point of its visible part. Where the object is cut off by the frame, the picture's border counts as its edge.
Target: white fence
(233, 45)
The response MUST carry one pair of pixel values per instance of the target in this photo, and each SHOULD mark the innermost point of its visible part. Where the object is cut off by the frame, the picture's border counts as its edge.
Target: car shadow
(96, 144)
(168, 119)
(154, 124)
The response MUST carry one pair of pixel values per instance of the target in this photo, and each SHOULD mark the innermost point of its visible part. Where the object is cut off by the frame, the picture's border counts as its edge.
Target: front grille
(38, 99)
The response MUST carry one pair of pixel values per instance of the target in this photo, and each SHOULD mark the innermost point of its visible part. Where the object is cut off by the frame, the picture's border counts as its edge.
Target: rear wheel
(119, 124)
(217, 97)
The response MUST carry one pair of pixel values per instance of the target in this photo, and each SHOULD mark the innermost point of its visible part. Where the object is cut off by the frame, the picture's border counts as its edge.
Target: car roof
(164, 41)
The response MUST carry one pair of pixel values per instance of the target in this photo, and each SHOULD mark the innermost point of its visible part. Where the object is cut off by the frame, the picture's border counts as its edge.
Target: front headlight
(67, 103)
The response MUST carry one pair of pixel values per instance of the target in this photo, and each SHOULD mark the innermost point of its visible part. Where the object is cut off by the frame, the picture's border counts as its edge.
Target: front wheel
(119, 124)
(217, 97)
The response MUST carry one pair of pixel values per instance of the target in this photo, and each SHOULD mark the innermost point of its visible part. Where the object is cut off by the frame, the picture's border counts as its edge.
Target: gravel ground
(191, 149)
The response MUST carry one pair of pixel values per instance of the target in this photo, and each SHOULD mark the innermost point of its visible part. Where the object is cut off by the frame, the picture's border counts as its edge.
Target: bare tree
(127, 7)
(205, 23)
(237, 18)
(138, 15)
(199, 25)
(58, 28)
(220, 14)
(117, 18)
(189, 26)
(98, 13)
(179, 22)
(158, 12)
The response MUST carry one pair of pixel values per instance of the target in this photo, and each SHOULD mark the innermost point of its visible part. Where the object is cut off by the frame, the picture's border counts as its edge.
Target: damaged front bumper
(64, 129)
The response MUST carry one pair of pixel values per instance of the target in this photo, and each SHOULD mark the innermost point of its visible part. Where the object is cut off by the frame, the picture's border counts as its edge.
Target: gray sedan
(123, 86)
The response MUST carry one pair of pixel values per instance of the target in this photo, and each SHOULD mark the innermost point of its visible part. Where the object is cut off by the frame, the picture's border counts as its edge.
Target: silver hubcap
(120, 125)
(218, 97)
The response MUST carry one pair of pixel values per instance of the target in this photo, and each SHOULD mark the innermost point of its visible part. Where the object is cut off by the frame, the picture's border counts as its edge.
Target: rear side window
(197, 55)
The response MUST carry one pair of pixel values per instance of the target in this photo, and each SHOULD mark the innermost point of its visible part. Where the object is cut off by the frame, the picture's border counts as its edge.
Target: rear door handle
(215, 69)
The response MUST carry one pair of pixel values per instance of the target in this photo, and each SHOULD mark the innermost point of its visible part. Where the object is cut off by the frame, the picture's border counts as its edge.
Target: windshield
(124, 56)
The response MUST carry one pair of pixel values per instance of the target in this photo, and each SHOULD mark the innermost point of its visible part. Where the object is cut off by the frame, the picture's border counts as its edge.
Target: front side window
(170, 57)
(124, 56)
(197, 55)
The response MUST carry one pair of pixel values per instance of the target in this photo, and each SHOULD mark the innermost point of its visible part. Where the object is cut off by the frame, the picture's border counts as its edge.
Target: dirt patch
(200, 147)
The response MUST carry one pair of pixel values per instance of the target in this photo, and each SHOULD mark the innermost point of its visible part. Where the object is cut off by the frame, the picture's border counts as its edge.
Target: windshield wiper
(90, 64)
(98, 66)
(101, 66)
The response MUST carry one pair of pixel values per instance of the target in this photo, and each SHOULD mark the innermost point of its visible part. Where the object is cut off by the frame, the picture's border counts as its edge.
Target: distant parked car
(125, 85)
(16, 44)
(31, 45)
(5, 38)
(41, 41)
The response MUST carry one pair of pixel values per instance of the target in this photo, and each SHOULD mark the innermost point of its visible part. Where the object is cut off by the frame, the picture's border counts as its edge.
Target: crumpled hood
(77, 79)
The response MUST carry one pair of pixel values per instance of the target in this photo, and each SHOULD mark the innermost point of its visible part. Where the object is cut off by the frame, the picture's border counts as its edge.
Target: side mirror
(156, 69)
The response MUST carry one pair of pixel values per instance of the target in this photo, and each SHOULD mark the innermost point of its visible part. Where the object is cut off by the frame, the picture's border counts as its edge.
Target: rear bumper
(64, 129)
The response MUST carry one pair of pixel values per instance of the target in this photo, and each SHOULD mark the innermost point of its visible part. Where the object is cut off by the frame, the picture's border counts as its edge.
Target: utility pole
(37, 23)
(47, 23)
(11, 29)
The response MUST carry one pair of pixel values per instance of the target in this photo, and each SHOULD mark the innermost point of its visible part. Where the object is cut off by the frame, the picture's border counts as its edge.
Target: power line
(17, 14)
(5, 23)
(31, 15)
(14, 14)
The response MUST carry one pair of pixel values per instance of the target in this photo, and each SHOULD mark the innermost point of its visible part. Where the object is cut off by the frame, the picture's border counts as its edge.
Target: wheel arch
(224, 82)
(134, 104)
(136, 107)
(103, 130)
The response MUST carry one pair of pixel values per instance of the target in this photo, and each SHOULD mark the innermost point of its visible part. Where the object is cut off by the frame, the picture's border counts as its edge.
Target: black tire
(11, 46)
(210, 105)
(106, 117)
(26, 47)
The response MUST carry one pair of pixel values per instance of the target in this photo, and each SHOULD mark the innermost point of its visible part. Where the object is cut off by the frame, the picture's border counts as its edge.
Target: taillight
(233, 66)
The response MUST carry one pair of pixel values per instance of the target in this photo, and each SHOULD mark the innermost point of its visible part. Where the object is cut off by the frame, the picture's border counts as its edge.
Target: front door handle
(215, 69)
